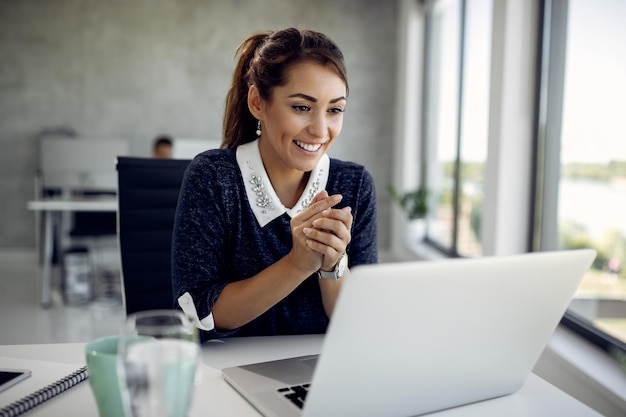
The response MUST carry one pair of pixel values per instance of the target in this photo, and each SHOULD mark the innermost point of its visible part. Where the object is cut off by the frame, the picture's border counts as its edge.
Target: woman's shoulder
(213, 166)
(214, 160)
(215, 155)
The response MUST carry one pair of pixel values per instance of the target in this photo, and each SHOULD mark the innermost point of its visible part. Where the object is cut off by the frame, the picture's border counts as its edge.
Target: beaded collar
(262, 198)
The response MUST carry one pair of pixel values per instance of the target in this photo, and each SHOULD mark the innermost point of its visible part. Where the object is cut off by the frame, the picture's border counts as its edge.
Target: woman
(268, 226)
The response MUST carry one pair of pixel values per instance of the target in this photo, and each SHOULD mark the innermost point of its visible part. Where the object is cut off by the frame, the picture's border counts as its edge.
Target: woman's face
(303, 117)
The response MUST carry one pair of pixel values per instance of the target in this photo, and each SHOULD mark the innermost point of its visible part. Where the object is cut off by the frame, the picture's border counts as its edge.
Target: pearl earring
(258, 128)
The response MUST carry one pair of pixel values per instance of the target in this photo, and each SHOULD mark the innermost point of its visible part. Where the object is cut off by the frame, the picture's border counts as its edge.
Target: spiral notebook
(48, 380)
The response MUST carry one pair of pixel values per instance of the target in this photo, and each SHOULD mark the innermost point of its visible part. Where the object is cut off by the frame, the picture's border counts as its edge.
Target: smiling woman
(260, 220)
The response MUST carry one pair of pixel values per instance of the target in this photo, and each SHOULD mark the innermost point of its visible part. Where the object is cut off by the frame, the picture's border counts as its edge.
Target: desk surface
(215, 397)
(108, 203)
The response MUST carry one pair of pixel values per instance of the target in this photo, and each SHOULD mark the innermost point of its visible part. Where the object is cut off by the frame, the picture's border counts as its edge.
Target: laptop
(416, 337)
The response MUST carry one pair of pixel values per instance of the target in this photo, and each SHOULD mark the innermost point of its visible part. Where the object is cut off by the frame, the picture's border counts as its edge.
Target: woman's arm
(362, 248)
(242, 301)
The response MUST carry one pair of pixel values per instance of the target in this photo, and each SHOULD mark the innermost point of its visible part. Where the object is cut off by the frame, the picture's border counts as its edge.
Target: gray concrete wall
(136, 68)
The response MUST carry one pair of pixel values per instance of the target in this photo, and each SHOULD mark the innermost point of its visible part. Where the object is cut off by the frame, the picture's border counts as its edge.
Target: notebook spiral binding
(21, 406)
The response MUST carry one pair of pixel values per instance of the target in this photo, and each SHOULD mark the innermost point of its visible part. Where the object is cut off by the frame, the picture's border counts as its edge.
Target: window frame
(539, 232)
(429, 36)
(507, 170)
(551, 47)
(583, 358)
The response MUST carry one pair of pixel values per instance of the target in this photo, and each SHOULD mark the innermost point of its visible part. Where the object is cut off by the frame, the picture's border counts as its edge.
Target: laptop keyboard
(295, 394)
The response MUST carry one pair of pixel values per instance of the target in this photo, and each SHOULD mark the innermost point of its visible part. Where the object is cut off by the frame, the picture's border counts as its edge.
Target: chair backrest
(147, 197)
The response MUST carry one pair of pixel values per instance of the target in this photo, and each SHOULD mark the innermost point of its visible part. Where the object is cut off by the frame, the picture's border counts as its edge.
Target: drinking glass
(159, 354)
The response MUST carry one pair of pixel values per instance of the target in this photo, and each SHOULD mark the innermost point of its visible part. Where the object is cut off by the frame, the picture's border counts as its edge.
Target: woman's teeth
(308, 147)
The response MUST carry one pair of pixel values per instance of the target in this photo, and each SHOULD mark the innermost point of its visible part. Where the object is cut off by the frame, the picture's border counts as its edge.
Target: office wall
(135, 69)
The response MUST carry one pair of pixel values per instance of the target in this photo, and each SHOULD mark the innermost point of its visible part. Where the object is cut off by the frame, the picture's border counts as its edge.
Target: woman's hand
(320, 233)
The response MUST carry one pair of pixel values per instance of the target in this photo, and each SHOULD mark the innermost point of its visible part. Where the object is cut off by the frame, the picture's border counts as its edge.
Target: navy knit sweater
(218, 240)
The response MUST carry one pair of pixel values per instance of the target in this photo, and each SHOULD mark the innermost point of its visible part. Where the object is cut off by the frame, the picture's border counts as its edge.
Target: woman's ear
(255, 102)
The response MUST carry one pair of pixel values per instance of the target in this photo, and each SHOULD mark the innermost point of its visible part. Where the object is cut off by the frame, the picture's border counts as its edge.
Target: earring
(258, 128)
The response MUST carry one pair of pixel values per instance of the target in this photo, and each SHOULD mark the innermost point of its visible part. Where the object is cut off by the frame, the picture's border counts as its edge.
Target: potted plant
(415, 204)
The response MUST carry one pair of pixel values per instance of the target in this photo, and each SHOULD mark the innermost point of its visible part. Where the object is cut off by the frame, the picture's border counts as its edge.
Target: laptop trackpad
(312, 362)
(288, 371)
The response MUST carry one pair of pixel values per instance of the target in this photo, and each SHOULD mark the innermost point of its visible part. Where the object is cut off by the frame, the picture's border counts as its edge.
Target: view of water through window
(592, 190)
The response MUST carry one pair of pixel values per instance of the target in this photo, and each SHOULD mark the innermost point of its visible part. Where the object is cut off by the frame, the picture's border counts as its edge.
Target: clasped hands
(321, 233)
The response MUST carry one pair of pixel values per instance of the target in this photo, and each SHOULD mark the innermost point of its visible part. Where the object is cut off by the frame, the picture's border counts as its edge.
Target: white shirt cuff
(185, 302)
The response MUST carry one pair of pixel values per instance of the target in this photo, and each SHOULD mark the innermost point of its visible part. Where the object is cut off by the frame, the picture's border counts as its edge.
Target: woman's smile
(309, 147)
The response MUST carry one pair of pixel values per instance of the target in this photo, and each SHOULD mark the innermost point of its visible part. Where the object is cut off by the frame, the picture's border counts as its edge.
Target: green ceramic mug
(102, 358)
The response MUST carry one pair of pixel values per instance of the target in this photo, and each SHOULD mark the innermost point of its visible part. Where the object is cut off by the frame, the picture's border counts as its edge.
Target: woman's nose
(318, 126)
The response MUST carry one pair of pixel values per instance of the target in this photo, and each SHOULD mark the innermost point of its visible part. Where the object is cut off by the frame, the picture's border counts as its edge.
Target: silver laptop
(416, 337)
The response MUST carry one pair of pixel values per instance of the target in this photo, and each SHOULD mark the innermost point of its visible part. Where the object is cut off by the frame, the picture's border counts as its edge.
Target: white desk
(214, 397)
(52, 209)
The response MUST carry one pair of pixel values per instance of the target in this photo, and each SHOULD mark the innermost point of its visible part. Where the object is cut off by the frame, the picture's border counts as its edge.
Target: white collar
(263, 200)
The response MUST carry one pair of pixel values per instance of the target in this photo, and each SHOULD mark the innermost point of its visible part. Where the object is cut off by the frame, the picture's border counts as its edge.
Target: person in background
(268, 226)
(162, 147)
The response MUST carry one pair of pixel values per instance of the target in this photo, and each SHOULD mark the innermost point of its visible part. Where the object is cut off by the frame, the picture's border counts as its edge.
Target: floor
(24, 321)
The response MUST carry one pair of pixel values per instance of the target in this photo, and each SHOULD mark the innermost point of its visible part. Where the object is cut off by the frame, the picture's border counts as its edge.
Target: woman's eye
(336, 110)
(301, 109)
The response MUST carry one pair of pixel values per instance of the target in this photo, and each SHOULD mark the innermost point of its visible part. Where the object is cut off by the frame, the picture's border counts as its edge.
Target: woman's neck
(288, 182)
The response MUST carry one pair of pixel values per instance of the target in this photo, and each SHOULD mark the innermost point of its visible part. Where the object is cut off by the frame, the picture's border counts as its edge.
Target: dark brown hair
(264, 59)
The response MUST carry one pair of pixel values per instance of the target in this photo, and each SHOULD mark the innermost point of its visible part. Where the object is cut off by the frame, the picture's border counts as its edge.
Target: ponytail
(239, 124)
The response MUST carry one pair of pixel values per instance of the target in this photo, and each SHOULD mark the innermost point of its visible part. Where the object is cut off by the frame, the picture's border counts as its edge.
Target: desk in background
(53, 229)
(537, 398)
(71, 165)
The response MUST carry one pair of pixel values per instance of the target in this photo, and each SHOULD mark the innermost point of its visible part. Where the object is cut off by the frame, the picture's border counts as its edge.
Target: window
(583, 144)
(456, 121)
(579, 176)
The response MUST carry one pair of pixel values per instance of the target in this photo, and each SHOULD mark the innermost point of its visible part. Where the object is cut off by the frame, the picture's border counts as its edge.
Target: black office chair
(148, 194)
